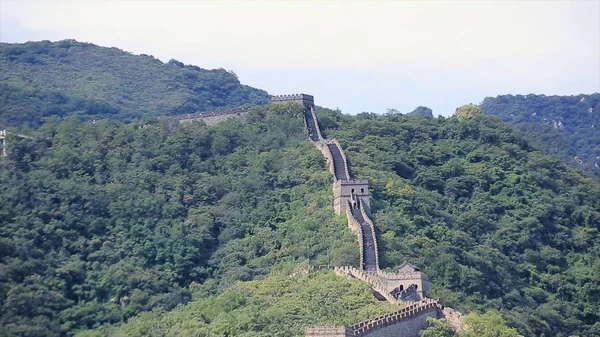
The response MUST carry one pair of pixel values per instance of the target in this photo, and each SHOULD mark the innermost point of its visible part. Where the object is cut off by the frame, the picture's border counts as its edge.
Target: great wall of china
(407, 286)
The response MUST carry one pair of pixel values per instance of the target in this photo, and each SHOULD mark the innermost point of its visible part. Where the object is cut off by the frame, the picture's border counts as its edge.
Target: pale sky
(355, 55)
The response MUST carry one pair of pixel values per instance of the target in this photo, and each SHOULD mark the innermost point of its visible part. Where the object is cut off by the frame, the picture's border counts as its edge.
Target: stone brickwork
(343, 191)
(356, 228)
(304, 99)
(328, 331)
(345, 161)
(402, 320)
(372, 228)
(314, 116)
(404, 277)
(408, 327)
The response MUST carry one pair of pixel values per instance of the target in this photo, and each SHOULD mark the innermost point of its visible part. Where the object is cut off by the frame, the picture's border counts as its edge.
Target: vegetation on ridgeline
(43, 79)
(564, 126)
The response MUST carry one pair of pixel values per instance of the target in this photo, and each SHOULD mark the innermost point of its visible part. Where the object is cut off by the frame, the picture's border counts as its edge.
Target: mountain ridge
(70, 77)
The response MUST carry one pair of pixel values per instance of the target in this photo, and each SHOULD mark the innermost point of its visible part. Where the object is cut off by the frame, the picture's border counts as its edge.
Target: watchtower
(405, 276)
(343, 191)
(307, 100)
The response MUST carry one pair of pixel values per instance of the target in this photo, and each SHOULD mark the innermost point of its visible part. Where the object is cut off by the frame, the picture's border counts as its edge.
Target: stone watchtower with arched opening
(405, 276)
(343, 190)
(307, 101)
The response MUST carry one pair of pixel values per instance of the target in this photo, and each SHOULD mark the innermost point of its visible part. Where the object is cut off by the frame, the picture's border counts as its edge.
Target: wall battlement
(304, 99)
(404, 322)
(328, 331)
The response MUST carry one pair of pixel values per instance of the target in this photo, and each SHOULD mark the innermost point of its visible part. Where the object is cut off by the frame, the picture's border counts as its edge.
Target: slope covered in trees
(495, 224)
(154, 214)
(564, 126)
(274, 306)
(98, 214)
(41, 79)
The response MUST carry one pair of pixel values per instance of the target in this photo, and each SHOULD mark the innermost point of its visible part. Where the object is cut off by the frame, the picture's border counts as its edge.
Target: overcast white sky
(355, 55)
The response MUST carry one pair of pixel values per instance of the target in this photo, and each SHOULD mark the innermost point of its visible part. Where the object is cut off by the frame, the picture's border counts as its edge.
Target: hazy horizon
(358, 56)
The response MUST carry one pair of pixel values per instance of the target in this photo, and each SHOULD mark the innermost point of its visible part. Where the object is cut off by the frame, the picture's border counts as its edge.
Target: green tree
(467, 111)
(490, 324)
(437, 328)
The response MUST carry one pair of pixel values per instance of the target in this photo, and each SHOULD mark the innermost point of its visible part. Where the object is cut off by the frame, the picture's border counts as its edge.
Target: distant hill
(564, 126)
(41, 79)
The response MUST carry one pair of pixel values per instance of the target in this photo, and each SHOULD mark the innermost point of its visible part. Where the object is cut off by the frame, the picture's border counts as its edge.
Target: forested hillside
(564, 126)
(494, 223)
(41, 79)
(93, 215)
(100, 222)
(274, 306)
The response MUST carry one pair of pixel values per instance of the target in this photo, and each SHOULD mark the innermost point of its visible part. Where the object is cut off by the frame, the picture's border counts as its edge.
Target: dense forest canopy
(41, 79)
(564, 126)
(277, 306)
(100, 222)
(95, 214)
(495, 223)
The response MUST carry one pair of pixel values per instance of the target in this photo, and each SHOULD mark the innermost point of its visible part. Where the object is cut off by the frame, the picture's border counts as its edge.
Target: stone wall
(343, 190)
(370, 278)
(322, 146)
(356, 229)
(335, 141)
(370, 223)
(402, 320)
(312, 112)
(328, 331)
(213, 118)
(410, 327)
(407, 283)
(406, 279)
(304, 99)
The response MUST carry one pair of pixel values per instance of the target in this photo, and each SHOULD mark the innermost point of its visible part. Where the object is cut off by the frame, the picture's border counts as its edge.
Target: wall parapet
(412, 310)
(322, 146)
(338, 183)
(356, 228)
(369, 278)
(314, 116)
(372, 227)
(328, 331)
(290, 97)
